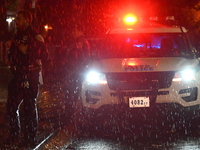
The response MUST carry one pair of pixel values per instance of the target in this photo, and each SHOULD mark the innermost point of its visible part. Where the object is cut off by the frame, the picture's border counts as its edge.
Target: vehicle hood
(143, 64)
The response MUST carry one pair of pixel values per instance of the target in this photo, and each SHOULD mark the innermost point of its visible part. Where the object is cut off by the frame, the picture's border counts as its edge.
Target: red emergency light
(129, 62)
(130, 19)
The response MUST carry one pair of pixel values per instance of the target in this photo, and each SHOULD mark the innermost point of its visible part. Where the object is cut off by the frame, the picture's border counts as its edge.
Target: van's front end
(141, 66)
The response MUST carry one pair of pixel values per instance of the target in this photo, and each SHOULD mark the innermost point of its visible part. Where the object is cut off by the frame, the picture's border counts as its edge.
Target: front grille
(139, 93)
(139, 80)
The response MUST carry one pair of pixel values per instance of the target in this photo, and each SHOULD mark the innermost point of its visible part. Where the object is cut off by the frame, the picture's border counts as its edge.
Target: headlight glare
(185, 75)
(94, 77)
(188, 74)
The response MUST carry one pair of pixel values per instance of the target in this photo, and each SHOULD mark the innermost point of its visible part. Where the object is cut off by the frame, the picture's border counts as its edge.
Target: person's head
(76, 31)
(23, 20)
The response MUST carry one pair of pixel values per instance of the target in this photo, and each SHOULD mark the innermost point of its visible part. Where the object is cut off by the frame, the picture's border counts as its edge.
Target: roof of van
(147, 27)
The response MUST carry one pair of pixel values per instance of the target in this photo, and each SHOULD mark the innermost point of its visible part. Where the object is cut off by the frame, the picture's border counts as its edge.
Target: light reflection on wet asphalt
(97, 138)
(52, 110)
(105, 144)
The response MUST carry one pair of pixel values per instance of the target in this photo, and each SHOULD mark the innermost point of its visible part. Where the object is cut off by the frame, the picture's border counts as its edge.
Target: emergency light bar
(167, 18)
(129, 19)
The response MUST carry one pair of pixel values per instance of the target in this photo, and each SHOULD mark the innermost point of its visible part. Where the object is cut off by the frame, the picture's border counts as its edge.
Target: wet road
(51, 109)
(107, 144)
(107, 129)
(126, 134)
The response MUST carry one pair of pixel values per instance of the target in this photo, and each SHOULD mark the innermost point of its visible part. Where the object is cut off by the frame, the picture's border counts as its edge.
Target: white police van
(143, 64)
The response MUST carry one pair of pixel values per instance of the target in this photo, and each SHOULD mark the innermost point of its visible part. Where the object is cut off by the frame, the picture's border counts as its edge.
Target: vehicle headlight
(185, 75)
(94, 77)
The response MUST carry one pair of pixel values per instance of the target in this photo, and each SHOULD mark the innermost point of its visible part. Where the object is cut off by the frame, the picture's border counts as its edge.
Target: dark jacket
(79, 52)
(37, 54)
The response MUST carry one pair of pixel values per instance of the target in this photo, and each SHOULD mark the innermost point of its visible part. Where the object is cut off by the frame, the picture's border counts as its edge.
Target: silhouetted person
(26, 56)
(77, 57)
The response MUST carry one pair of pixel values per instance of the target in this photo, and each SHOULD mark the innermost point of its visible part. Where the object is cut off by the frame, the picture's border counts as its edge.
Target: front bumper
(183, 94)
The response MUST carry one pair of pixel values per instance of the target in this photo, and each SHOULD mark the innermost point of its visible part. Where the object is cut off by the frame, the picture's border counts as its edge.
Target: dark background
(97, 16)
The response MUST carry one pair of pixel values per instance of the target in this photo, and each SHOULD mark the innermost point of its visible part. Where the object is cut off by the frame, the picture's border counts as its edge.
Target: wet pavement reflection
(51, 108)
(108, 134)
(99, 130)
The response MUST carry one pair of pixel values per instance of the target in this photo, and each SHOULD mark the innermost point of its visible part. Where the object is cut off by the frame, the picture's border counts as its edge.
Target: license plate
(139, 102)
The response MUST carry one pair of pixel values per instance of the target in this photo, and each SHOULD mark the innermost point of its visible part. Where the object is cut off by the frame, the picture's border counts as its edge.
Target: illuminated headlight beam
(185, 75)
(94, 77)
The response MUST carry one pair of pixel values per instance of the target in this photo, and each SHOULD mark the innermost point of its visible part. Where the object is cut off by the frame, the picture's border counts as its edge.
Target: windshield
(145, 45)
